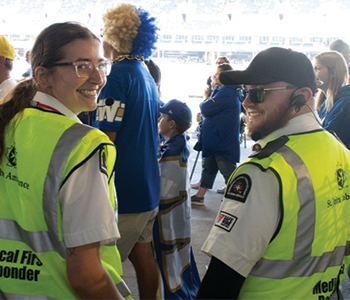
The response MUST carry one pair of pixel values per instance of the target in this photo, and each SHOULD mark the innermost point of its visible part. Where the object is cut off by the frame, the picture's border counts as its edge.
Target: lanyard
(46, 107)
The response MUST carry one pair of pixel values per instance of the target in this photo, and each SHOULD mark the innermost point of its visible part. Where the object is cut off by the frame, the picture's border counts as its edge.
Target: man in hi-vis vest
(282, 231)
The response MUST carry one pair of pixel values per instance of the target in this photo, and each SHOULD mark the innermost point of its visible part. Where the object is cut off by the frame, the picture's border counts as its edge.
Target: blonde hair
(121, 24)
(339, 77)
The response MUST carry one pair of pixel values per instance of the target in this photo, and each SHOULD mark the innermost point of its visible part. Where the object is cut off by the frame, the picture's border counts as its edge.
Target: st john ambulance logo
(341, 177)
(238, 189)
(11, 157)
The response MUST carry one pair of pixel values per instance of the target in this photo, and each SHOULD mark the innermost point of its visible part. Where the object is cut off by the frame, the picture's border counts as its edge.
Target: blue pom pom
(144, 42)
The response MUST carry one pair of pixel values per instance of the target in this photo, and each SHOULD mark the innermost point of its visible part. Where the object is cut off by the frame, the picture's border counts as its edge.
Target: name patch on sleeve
(225, 221)
(239, 188)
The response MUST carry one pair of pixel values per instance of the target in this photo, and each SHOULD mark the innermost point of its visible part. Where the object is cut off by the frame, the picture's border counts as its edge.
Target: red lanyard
(46, 107)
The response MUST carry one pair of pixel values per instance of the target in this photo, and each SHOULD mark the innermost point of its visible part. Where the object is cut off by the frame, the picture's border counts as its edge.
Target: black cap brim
(245, 77)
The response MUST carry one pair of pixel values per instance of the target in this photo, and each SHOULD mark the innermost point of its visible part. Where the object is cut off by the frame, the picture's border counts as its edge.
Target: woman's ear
(42, 76)
(107, 50)
(333, 73)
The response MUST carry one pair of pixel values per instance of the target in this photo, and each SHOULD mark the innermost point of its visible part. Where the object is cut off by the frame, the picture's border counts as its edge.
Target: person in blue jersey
(219, 138)
(131, 123)
(172, 230)
(333, 98)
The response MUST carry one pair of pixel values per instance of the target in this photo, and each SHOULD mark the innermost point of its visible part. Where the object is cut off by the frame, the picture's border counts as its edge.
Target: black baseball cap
(273, 65)
(154, 70)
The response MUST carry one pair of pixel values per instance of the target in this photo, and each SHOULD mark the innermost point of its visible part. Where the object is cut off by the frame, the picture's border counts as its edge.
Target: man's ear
(307, 92)
(42, 76)
(2, 59)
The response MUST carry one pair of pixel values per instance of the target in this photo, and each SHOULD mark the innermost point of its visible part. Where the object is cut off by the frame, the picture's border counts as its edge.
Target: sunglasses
(257, 95)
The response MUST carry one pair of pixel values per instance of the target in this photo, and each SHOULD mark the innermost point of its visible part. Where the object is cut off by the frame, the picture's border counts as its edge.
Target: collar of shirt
(216, 89)
(54, 103)
(302, 123)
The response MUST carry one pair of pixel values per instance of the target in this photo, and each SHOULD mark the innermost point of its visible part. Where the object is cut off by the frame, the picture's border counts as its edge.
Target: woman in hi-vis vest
(58, 224)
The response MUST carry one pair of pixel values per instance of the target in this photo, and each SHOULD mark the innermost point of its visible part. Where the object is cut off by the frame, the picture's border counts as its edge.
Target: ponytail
(47, 50)
(19, 99)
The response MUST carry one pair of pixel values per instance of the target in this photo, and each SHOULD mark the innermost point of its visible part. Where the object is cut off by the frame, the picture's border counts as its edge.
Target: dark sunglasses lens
(256, 95)
(242, 94)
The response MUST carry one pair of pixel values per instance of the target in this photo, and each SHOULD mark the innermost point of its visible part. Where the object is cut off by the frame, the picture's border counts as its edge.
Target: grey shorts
(135, 228)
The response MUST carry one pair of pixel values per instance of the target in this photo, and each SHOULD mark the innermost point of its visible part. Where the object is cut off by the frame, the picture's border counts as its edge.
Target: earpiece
(298, 101)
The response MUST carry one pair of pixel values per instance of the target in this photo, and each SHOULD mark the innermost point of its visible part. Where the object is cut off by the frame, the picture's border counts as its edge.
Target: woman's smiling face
(322, 74)
(78, 93)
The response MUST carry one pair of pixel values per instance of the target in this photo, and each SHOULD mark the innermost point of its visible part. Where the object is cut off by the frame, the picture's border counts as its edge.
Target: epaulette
(270, 147)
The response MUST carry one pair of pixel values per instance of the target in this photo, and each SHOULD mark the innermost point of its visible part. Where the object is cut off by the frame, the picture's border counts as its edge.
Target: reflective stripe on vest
(123, 289)
(67, 142)
(39, 241)
(299, 266)
(42, 241)
(10, 296)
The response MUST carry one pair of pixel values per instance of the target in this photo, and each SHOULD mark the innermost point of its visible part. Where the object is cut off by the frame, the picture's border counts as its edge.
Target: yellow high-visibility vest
(308, 256)
(32, 250)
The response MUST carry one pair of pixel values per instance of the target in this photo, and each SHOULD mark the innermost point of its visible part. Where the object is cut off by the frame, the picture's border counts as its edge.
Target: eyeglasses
(257, 95)
(85, 68)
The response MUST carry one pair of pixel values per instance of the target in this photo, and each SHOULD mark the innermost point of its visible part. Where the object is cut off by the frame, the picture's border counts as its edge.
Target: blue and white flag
(172, 229)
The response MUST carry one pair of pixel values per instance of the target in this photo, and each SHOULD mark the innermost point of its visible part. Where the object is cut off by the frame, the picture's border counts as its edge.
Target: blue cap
(178, 111)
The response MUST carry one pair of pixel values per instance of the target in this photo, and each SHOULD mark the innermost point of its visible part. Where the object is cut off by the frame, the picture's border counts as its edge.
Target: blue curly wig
(144, 42)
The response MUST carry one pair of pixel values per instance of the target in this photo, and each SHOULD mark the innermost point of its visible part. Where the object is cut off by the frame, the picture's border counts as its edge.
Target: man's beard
(279, 120)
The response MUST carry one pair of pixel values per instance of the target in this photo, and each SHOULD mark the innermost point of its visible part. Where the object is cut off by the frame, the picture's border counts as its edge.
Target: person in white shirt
(78, 257)
(281, 231)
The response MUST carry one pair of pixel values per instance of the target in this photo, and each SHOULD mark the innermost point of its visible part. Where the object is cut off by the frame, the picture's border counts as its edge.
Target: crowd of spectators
(194, 25)
(170, 6)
